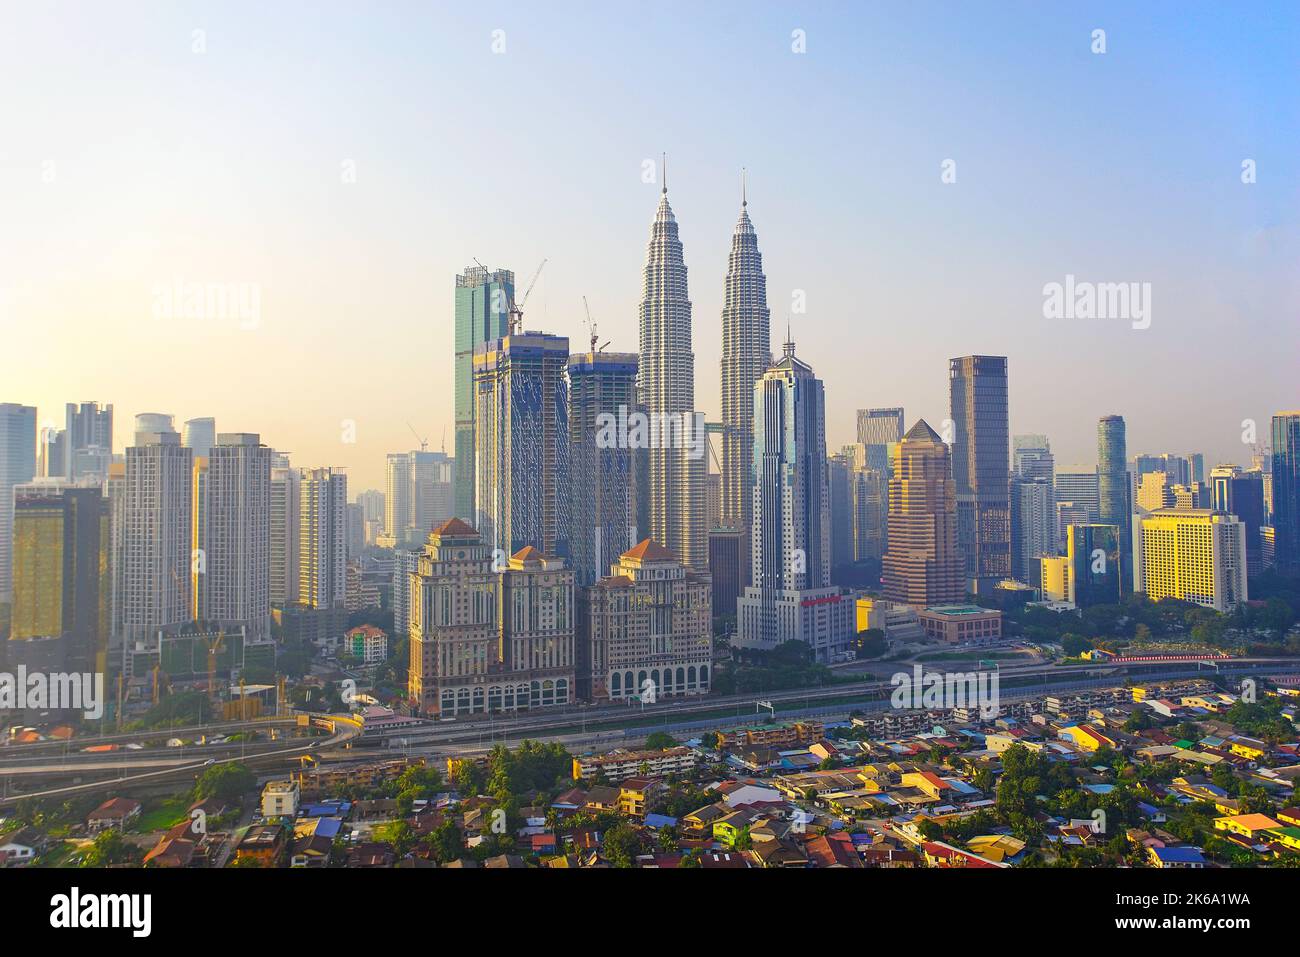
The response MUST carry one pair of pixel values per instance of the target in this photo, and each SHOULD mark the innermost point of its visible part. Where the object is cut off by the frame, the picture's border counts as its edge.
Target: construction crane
(591, 327)
(424, 443)
(515, 310)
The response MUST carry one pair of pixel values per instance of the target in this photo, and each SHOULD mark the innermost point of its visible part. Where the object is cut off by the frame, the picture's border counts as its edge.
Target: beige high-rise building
(921, 565)
(1155, 492)
(484, 641)
(646, 629)
(1197, 555)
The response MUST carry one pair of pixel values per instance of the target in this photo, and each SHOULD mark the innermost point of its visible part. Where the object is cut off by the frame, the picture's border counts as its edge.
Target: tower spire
(789, 343)
(665, 174)
(744, 199)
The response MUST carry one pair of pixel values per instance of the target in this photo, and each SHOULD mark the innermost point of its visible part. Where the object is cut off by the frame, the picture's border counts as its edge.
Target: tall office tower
(1114, 490)
(1286, 490)
(156, 546)
(17, 465)
(1242, 494)
(62, 587)
(646, 629)
(1080, 485)
(602, 471)
(878, 429)
(238, 578)
(88, 428)
(199, 538)
(1032, 459)
(791, 598)
(51, 453)
(200, 435)
(921, 565)
(322, 538)
(1094, 570)
(521, 443)
(981, 457)
(286, 502)
(1177, 467)
(870, 505)
(487, 643)
(356, 530)
(1155, 491)
(746, 355)
(483, 301)
(675, 471)
(115, 492)
(1197, 555)
(432, 477)
(372, 502)
(397, 496)
(1196, 462)
(839, 480)
(712, 500)
(726, 568)
(1033, 527)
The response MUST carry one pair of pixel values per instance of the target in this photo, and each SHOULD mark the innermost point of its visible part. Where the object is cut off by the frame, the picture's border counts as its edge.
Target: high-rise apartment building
(156, 555)
(521, 443)
(746, 355)
(921, 565)
(981, 457)
(237, 578)
(727, 551)
(1196, 555)
(646, 629)
(483, 302)
(419, 495)
(675, 467)
(878, 429)
(322, 538)
(1286, 490)
(1155, 491)
(791, 598)
(17, 465)
(286, 502)
(602, 470)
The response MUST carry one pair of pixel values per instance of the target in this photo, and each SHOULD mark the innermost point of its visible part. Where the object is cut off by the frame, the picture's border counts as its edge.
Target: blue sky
(127, 160)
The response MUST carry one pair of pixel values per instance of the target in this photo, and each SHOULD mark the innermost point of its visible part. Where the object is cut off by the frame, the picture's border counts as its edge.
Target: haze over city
(349, 162)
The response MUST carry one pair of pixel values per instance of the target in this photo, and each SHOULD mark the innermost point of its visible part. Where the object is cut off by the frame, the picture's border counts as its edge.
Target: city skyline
(339, 270)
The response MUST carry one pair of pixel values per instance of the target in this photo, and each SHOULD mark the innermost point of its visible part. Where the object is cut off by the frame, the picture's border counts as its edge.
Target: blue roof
(325, 809)
(329, 827)
(1179, 855)
(659, 820)
(1099, 788)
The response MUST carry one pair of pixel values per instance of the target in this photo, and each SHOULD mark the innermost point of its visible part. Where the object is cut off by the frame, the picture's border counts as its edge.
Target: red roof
(650, 551)
(455, 527)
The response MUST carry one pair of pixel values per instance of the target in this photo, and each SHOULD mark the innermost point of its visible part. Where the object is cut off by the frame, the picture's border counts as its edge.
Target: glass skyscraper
(981, 468)
(1286, 489)
(482, 315)
(1113, 492)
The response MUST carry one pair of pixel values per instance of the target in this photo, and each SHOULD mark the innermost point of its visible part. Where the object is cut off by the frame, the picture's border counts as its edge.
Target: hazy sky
(346, 160)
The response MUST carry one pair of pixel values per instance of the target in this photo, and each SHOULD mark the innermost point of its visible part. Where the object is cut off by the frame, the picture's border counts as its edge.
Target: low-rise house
(371, 855)
(280, 800)
(115, 812)
(1246, 825)
(1184, 857)
(264, 843)
(312, 850)
(21, 847)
